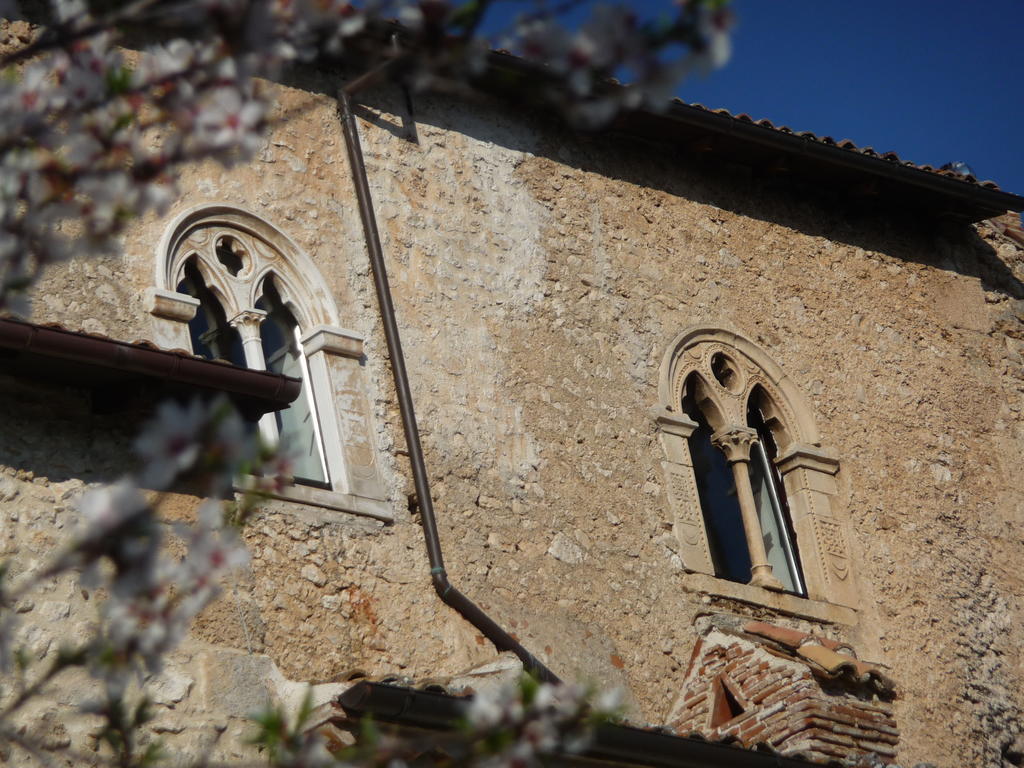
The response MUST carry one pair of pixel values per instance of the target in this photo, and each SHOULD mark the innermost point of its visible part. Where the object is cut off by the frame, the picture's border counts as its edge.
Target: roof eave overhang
(735, 139)
(948, 196)
(619, 744)
(89, 361)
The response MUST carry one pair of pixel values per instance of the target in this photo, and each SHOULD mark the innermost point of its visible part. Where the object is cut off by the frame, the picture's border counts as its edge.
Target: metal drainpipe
(469, 610)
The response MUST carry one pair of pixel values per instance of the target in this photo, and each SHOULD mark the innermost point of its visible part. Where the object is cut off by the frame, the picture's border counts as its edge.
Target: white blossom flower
(714, 26)
(169, 444)
(609, 701)
(69, 10)
(106, 509)
(485, 709)
(228, 120)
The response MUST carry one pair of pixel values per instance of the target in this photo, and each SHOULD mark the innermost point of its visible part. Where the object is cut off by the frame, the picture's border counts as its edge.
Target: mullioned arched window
(750, 486)
(229, 285)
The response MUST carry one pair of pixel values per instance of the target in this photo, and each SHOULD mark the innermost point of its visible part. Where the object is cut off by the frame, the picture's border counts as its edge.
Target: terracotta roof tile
(832, 662)
(791, 638)
(826, 657)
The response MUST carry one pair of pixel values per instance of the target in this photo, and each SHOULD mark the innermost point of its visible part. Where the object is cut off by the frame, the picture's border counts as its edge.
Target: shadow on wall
(56, 433)
(704, 178)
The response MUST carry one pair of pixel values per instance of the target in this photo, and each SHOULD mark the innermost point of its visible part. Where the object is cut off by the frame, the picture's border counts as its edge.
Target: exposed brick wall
(784, 704)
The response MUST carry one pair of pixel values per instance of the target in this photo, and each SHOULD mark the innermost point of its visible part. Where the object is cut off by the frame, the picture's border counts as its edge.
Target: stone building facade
(574, 308)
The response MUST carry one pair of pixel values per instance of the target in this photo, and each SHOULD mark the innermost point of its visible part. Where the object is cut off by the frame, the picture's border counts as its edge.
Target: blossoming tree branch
(94, 128)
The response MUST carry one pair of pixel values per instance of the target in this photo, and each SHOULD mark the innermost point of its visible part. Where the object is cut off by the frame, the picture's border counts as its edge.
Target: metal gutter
(621, 744)
(451, 596)
(28, 346)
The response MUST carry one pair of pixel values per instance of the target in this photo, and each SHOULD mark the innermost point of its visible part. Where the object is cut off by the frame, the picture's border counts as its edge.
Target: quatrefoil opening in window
(726, 373)
(232, 255)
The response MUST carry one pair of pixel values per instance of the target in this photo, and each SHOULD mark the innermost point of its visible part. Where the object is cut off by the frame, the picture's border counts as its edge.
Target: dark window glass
(295, 424)
(212, 336)
(227, 254)
(718, 502)
(772, 506)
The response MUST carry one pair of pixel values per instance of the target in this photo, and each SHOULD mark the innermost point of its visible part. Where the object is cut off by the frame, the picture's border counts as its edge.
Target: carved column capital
(247, 322)
(735, 442)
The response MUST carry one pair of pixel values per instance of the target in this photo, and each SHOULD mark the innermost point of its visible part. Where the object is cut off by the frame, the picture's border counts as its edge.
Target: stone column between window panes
(171, 314)
(247, 323)
(735, 442)
(808, 473)
(335, 358)
(688, 523)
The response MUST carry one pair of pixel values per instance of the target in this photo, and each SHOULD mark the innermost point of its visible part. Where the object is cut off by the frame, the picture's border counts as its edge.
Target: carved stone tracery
(807, 469)
(257, 250)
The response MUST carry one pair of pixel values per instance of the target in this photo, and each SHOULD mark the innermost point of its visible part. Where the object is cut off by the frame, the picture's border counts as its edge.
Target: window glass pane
(772, 506)
(212, 336)
(296, 427)
(775, 537)
(719, 505)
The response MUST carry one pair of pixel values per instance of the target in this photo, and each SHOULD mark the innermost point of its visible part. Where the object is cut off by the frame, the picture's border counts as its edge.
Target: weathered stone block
(235, 684)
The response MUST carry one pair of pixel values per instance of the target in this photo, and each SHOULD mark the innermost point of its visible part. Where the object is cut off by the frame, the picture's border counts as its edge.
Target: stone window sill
(818, 610)
(333, 500)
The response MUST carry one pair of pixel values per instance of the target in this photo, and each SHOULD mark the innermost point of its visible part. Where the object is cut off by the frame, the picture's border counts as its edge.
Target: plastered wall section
(538, 278)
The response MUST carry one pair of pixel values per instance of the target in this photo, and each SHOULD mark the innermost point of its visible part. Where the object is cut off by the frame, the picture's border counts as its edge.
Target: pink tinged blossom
(34, 88)
(152, 603)
(543, 40)
(158, 196)
(103, 199)
(82, 149)
(352, 20)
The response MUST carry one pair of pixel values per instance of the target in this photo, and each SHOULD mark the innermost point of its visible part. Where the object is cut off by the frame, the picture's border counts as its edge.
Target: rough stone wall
(538, 278)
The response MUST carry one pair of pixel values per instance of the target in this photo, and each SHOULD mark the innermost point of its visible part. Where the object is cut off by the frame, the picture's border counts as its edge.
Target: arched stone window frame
(334, 356)
(808, 469)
